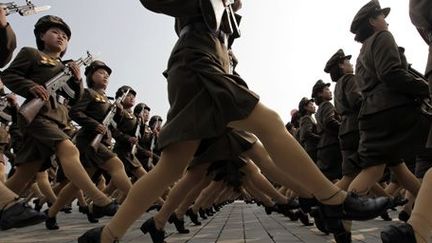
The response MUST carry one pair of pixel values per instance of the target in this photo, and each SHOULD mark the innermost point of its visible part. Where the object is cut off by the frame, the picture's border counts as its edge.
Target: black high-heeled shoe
(304, 218)
(343, 237)
(385, 216)
(51, 222)
(193, 216)
(306, 204)
(107, 210)
(156, 235)
(356, 208)
(178, 223)
(202, 213)
(400, 233)
(404, 216)
(319, 220)
(18, 215)
(92, 236)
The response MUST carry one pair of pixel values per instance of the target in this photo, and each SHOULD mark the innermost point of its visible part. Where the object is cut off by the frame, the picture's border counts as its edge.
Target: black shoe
(178, 223)
(291, 215)
(356, 208)
(66, 209)
(319, 220)
(193, 216)
(20, 215)
(209, 212)
(83, 209)
(92, 236)
(269, 210)
(51, 223)
(91, 218)
(343, 237)
(156, 235)
(291, 204)
(216, 207)
(304, 218)
(397, 201)
(107, 210)
(404, 216)
(202, 213)
(37, 205)
(385, 216)
(306, 204)
(401, 233)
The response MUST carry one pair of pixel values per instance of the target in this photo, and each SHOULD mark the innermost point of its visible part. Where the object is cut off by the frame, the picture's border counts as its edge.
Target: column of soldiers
(231, 145)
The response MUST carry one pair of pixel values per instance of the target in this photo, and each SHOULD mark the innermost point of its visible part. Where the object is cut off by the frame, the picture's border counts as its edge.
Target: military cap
(123, 89)
(369, 10)
(95, 65)
(303, 102)
(335, 60)
(139, 107)
(318, 87)
(46, 22)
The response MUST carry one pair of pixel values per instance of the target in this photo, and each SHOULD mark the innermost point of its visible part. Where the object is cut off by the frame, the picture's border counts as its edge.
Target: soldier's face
(326, 94)
(100, 78)
(146, 115)
(55, 39)
(379, 23)
(129, 101)
(346, 66)
(310, 107)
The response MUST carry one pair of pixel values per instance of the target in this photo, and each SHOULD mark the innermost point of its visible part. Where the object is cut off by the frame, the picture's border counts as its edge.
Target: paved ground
(235, 223)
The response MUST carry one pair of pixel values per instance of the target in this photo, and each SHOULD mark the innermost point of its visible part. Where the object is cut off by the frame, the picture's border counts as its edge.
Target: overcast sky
(282, 52)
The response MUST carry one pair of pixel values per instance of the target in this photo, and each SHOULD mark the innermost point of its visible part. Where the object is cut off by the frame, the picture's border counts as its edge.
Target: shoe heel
(144, 228)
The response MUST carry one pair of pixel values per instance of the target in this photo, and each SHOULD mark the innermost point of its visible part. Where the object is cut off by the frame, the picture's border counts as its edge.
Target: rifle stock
(95, 143)
(30, 109)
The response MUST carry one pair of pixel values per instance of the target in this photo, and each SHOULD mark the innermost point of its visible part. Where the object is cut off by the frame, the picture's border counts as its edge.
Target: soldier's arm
(389, 67)
(15, 76)
(7, 39)
(118, 135)
(352, 94)
(78, 112)
(174, 8)
(308, 129)
(329, 116)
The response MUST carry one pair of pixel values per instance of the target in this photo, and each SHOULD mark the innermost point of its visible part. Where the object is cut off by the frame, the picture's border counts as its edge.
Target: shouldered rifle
(30, 109)
(137, 131)
(219, 15)
(108, 119)
(24, 10)
(425, 103)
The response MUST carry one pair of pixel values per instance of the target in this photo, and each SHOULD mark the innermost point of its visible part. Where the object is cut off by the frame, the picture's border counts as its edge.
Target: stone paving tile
(235, 223)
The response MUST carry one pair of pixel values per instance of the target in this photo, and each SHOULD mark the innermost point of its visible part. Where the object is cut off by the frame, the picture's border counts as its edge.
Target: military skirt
(203, 96)
(88, 156)
(390, 135)
(329, 161)
(129, 160)
(349, 144)
(40, 140)
(226, 147)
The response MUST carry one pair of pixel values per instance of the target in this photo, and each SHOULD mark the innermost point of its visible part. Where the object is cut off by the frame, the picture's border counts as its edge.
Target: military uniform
(391, 125)
(203, 96)
(42, 135)
(124, 130)
(308, 131)
(89, 112)
(144, 146)
(347, 102)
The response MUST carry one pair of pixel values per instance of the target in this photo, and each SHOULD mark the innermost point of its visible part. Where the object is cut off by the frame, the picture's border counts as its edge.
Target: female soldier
(44, 136)
(390, 123)
(308, 128)
(205, 99)
(329, 158)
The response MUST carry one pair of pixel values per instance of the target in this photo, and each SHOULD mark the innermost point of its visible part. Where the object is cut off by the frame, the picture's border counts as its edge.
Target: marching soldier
(309, 136)
(205, 98)
(329, 158)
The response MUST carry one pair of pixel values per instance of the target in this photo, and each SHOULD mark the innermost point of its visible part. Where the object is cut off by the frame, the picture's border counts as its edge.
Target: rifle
(24, 10)
(425, 104)
(217, 12)
(30, 109)
(137, 131)
(3, 104)
(108, 119)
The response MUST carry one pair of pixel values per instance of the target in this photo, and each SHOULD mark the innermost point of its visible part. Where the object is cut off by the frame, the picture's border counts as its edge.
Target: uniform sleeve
(329, 117)
(353, 94)
(7, 44)
(307, 130)
(174, 8)
(117, 134)
(78, 114)
(389, 68)
(15, 76)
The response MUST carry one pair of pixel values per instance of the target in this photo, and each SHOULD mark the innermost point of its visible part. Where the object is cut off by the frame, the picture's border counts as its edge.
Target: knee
(66, 148)
(428, 174)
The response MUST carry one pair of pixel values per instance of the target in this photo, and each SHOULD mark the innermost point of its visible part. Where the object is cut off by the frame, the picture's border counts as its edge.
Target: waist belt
(202, 27)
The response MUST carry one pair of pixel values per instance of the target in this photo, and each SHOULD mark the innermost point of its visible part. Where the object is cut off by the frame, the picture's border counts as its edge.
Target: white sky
(282, 52)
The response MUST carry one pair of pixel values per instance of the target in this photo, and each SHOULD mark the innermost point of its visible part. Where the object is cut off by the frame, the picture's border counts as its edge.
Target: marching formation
(341, 162)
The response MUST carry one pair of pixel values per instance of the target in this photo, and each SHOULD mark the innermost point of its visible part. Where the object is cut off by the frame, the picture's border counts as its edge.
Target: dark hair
(336, 72)
(153, 121)
(365, 30)
(295, 119)
(89, 80)
(319, 99)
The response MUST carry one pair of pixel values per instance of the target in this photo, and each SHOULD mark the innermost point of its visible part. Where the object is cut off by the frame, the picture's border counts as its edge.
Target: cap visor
(385, 11)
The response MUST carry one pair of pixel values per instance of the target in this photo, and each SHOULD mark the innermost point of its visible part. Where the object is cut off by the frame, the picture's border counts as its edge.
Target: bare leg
(45, 186)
